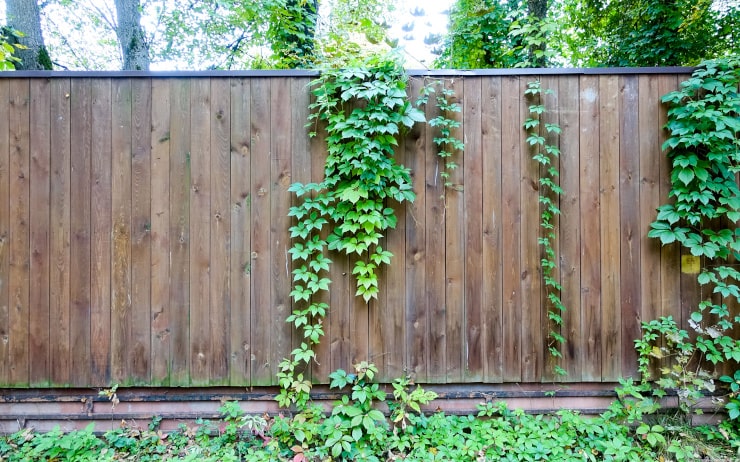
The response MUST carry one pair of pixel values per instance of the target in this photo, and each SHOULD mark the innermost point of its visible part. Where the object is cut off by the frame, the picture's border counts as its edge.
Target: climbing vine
(544, 154)
(704, 149)
(364, 108)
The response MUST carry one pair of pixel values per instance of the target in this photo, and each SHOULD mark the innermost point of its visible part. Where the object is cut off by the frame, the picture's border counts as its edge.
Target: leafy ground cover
(355, 430)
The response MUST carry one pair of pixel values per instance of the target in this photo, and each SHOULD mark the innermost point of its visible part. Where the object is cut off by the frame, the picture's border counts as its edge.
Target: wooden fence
(144, 234)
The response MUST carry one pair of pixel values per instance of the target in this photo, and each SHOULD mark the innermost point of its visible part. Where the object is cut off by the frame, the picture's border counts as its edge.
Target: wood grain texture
(80, 220)
(609, 136)
(492, 229)
(4, 235)
(100, 233)
(220, 158)
(511, 215)
(179, 232)
(454, 262)
(144, 232)
(121, 313)
(40, 169)
(200, 231)
(473, 229)
(261, 255)
(161, 240)
(240, 271)
(141, 226)
(60, 227)
(570, 228)
(590, 348)
(629, 193)
(19, 277)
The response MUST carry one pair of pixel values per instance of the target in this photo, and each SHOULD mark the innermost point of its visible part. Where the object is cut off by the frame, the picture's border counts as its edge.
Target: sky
(417, 20)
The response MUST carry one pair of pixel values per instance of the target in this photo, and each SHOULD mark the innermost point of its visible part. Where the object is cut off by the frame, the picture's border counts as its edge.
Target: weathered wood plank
(240, 271)
(100, 233)
(473, 229)
(531, 278)
(20, 208)
(161, 310)
(590, 353)
(121, 313)
(511, 215)
(609, 135)
(570, 228)
(629, 209)
(60, 226)
(425, 254)
(492, 228)
(4, 234)
(455, 248)
(300, 99)
(261, 255)
(80, 221)
(281, 131)
(40, 169)
(141, 225)
(179, 232)
(200, 231)
(220, 231)
(650, 198)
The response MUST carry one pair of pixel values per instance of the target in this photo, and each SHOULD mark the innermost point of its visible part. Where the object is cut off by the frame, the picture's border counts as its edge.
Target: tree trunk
(23, 16)
(538, 9)
(134, 47)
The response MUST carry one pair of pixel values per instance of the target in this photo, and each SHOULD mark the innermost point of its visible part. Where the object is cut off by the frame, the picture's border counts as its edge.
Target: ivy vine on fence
(544, 154)
(704, 148)
(364, 109)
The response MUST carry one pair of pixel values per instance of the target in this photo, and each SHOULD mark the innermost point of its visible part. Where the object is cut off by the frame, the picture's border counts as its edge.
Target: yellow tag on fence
(690, 264)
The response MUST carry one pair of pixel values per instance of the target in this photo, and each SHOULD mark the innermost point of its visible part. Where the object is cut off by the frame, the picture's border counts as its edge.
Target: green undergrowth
(353, 428)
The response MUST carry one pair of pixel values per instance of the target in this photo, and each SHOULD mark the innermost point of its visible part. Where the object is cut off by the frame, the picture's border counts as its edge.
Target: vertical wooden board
(240, 271)
(220, 230)
(4, 234)
(511, 216)
(80, 220)
(341, 299)
(492, 229)
(300, 169)
(426, 344)
(570, 224)
(670, 255)
(531, 279)
(281, 125)
(650, 199)
(179, 232)
(261, 256)
(590, 230)
(19, 277)
(473, 225)
(550, 99)
(359, 317)
(629, 214)
(200, 231)
(121, 313)
(161, 311)
(39, 232)
(392, 352)
(455, 248)
(322, 366)
(100, 233)
(60, 228)
(141, 225)
(609, 135)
